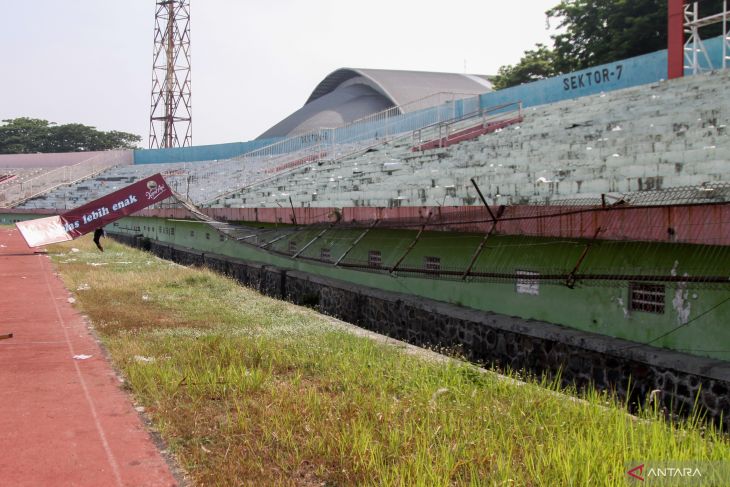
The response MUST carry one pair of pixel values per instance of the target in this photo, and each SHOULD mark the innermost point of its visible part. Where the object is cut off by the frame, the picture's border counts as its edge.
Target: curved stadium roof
(348, 94)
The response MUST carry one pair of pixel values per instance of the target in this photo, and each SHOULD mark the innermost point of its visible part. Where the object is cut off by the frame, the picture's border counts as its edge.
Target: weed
(249, 390)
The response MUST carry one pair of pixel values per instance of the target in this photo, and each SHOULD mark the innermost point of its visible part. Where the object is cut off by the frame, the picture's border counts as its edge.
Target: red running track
(63, 421)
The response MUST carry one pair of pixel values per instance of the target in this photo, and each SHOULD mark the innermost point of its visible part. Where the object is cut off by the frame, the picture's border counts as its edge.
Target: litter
(143, 359)
(74, 250)
(82, 357)
(72, 300)
(83, 287)
(440, 392)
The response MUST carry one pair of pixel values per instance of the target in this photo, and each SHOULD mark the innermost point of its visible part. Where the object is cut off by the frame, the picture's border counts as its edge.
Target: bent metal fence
(605, 244)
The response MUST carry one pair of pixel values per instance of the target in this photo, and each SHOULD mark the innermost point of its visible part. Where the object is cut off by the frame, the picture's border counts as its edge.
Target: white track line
(110, 456)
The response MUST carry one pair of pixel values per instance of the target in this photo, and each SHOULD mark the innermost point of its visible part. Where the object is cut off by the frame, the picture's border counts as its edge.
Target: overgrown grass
(248, 390)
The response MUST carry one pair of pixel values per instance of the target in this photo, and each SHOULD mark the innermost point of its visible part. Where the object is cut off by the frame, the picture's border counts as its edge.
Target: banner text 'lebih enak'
(116, 205)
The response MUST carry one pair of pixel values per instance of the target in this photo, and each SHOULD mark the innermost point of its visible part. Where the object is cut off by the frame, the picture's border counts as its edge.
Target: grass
(247, 390)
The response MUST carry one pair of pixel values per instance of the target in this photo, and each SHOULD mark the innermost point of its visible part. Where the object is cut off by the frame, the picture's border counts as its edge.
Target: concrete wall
(536, 347)
(53, 160)
(646, 223)
(595, 307)
(639, 70)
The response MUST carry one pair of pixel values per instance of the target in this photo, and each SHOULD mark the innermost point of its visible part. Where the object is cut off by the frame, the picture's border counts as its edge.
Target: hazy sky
(253, 62)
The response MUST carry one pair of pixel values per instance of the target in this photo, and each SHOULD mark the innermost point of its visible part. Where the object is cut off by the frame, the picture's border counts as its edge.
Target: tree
(30, 135)
(20, 134)
(603, 31)
(534, 65)
(598, 32)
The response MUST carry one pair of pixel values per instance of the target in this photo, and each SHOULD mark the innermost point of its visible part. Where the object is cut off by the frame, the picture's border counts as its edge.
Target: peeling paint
(681, 303)
(620, 301)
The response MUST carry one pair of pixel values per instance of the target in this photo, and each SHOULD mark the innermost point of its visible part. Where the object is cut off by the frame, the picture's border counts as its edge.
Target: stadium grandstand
(596, 201)
(424, 152)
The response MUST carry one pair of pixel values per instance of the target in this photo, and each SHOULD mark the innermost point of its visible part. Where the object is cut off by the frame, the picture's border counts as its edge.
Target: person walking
(98, 233)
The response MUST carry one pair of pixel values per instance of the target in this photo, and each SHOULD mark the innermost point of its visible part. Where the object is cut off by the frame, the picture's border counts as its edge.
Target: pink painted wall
(707, 224)
(52, 160)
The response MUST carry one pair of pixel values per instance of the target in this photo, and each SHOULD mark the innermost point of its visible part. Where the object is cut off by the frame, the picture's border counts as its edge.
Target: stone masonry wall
(536, 348)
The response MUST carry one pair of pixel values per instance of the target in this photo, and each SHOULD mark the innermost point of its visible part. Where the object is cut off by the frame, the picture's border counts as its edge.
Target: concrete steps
(664, 135)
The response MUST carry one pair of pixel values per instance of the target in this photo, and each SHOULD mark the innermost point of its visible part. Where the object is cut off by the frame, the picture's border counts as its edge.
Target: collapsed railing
(526, 244)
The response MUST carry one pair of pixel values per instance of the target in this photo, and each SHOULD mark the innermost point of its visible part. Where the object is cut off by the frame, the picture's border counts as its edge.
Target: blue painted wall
(640, 70)
(199, 152)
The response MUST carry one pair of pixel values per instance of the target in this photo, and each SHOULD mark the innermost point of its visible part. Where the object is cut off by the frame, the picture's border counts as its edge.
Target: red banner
(116, 205)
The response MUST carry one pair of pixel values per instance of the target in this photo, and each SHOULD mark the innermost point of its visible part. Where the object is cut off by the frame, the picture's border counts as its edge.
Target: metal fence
(378, 127)
(430, 124)
(18, 192)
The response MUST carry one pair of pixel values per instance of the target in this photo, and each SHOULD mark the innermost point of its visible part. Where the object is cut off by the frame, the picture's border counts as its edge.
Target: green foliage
(23, 135)
(603, 31)
(30, 135)
(595, 32)
(534, 65)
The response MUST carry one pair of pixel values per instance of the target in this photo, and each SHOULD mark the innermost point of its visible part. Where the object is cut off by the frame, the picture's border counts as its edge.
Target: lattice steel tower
(171, 119)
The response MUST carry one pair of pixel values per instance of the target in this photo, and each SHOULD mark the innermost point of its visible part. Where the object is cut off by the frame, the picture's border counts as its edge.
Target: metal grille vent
(647, 297)
(375, 259)
(432, 263)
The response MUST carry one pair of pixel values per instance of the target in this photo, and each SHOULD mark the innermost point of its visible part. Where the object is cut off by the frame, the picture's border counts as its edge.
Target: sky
(253, 61)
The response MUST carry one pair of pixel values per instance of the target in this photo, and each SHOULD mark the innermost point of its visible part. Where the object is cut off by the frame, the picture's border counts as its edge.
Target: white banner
(43, 231)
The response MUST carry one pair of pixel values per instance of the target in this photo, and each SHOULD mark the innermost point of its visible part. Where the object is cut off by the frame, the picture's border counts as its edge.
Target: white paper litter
(83, 287)
(72, 300)
(74, 249)
(82, 357)
(142, 358)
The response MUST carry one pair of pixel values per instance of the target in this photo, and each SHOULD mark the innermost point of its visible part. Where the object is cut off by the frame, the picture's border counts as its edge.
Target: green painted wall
(10, 218)
(600, 307)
